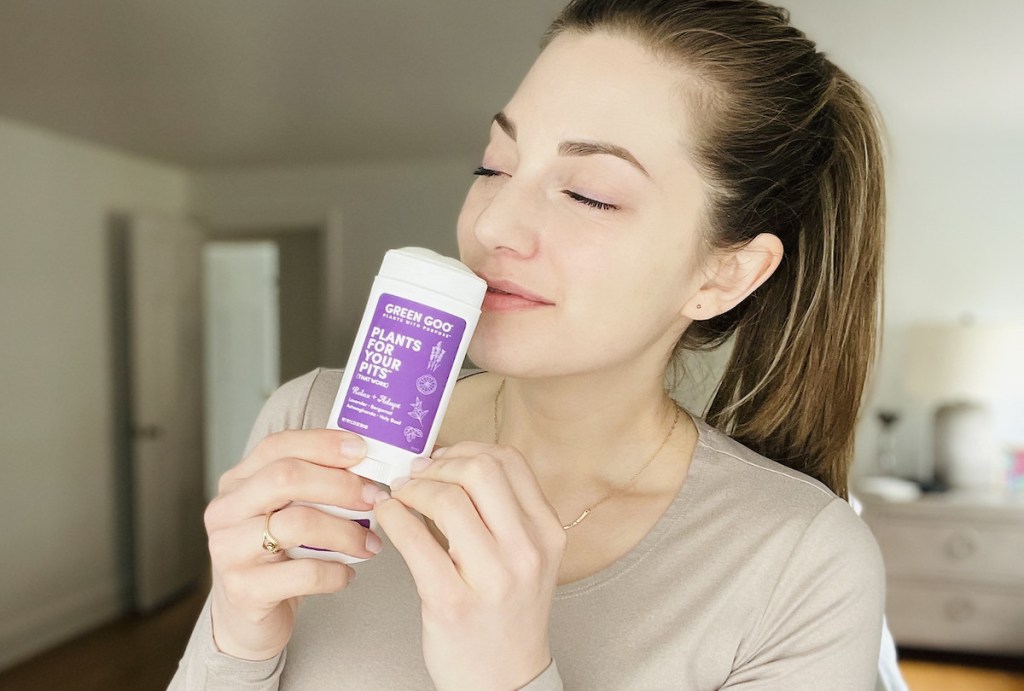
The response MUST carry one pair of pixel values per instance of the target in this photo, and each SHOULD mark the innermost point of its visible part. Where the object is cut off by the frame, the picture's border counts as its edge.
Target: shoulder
(301, 403)
(781, 508)
(749, 471)
(807, 569)
(763, 489)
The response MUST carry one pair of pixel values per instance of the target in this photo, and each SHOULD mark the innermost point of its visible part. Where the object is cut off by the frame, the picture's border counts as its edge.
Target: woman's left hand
(486, 601)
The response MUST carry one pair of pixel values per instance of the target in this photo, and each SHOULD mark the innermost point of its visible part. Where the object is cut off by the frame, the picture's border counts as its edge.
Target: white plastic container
(419, 319)
(418, 322)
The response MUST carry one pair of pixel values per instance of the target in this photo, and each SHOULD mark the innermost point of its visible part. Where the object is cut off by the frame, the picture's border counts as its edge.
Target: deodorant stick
(422, 312)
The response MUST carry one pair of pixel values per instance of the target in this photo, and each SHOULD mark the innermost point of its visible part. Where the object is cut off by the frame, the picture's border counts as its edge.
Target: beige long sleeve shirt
(756, 577)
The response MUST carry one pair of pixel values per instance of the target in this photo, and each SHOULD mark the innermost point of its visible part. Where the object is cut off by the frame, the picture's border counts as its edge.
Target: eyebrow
(506, 125)
(577, 148)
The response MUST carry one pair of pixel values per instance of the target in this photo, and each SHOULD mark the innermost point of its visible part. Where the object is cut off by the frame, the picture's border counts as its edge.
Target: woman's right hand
(255, 593)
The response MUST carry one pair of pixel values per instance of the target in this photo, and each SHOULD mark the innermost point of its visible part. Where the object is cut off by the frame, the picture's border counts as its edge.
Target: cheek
(464, 225)
(654, 277)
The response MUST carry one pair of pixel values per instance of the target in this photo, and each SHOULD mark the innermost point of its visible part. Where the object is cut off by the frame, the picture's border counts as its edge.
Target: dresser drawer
(977, 551)
(981, 620)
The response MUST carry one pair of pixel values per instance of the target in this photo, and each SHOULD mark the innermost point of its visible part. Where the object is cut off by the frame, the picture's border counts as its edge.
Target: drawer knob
(960, 547)
(960, 609)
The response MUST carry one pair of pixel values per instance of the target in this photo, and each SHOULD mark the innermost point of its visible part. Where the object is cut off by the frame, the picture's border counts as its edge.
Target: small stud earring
(698, 306)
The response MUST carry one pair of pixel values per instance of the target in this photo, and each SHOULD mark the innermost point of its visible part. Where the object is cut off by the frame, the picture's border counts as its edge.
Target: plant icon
(418, 412)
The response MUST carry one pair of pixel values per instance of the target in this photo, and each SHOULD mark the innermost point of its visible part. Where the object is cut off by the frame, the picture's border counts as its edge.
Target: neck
(594, 428)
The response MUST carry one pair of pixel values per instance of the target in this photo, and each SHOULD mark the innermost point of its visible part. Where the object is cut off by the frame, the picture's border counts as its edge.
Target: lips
(507, 296)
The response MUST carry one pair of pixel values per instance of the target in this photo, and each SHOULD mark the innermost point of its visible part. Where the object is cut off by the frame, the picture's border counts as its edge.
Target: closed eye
(593, 203)
(575, 196)
(486, 172)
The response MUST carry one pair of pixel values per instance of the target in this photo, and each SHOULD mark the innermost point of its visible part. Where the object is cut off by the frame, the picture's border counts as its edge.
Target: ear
(734, 274)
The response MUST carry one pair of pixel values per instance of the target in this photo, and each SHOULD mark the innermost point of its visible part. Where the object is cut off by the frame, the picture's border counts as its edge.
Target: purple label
(401, 372)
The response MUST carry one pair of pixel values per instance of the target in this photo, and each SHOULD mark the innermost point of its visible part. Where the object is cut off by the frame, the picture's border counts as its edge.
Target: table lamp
(964, 368)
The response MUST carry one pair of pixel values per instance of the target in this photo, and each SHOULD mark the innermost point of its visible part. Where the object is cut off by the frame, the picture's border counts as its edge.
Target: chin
(510, 355)
(490, 357)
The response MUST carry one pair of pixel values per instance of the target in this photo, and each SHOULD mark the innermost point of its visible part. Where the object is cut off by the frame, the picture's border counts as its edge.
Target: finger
(526, 487)
(265, 585)
(327, 447)
(484, 479)
(431, 567)
(522, 481)
(471, 546)
(292, 526)
(286, 480)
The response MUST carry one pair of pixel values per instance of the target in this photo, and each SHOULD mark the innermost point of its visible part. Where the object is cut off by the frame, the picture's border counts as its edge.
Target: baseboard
(44, 625)
(1002, 661)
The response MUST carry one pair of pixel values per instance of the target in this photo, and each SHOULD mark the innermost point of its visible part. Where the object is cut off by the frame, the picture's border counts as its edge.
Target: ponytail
(788, 144)
(792, 388)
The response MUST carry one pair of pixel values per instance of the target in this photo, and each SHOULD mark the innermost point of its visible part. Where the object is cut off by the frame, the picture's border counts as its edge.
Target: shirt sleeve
(203, 666)
(822, 625)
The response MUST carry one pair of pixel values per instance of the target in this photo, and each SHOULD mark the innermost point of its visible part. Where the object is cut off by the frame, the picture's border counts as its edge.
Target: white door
(241, 346)
(166, 406)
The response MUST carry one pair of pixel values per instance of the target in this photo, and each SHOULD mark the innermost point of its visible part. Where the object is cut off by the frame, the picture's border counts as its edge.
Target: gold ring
(270, 542)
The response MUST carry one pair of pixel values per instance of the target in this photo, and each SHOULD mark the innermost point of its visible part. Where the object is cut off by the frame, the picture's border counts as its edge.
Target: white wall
(57, 509)
(947, 81)
(369, 208)
(956, 239)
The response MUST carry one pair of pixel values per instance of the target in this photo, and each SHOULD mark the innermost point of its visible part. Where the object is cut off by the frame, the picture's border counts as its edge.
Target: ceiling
(218, 83)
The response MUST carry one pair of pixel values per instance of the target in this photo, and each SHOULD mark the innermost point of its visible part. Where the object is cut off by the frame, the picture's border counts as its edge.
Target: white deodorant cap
(444, 275)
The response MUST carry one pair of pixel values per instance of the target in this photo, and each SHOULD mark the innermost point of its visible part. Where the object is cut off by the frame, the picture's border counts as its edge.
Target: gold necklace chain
(614, 493)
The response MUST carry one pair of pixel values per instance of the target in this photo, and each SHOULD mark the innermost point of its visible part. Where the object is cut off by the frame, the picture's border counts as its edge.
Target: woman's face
(584, 217)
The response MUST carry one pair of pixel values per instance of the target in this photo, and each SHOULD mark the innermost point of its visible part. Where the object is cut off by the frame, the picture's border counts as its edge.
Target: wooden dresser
(955, 570)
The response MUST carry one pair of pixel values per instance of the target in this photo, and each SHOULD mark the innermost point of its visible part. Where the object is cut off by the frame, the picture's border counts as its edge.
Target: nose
(508, 220)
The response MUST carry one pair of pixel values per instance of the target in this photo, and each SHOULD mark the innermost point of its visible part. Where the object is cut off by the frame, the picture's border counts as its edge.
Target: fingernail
(353, 447)
(419, 463)
(399, 484)
(351, 574)
(381, 497)
(370, 492)
(373, 543)
(438, 453)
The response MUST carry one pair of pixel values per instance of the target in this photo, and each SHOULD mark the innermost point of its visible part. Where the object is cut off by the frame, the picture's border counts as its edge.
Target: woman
(669, 174)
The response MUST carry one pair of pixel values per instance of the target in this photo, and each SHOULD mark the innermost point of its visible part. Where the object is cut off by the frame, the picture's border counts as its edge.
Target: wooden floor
(132, 654)
(929, 676)
(141, 654)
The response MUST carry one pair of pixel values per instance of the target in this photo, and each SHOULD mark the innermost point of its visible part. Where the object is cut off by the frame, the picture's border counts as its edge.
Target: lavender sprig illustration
(437, 354)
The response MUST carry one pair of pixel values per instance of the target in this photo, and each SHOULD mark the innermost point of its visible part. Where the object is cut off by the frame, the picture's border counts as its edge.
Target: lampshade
(965, 361)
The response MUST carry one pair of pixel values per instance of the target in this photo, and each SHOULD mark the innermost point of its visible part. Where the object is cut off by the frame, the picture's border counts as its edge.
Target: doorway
(264, 326)
(157, 392)
(241, 344)
(158, 383)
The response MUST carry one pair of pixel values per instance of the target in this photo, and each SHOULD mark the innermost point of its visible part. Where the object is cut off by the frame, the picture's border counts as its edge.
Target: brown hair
(788, 144)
